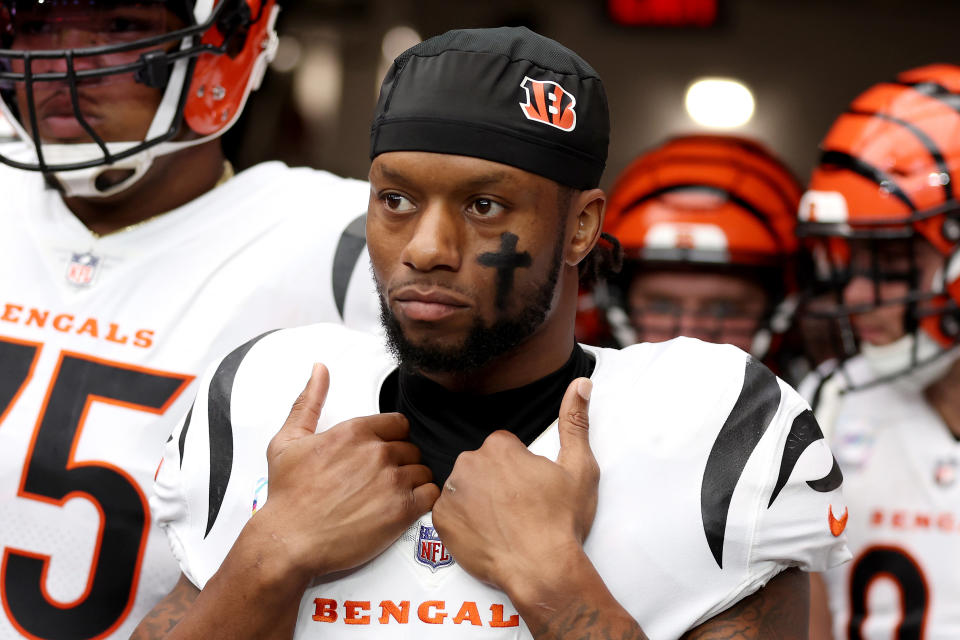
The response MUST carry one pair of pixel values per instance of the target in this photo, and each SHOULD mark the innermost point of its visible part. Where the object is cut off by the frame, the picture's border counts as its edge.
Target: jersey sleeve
(213, 474)
(801, 514)
(779, 486)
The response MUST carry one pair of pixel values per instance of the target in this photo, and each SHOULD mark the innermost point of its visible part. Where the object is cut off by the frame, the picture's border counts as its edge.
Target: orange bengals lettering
(69, 323)
(398, 612)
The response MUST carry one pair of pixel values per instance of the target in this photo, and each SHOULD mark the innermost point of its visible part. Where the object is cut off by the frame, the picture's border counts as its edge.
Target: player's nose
(435, 240)
(860, 290)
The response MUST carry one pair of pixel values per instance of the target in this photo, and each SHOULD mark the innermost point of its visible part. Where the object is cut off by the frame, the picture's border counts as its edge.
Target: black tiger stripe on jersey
(829, 482)
(350, 246)
(741, 432)
(804, 432)
(220, 426)
(183, 433)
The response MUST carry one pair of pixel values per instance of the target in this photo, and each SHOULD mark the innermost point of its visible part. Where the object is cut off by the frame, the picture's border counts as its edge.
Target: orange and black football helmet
(706, 202)
(889, 174)
(203, 56)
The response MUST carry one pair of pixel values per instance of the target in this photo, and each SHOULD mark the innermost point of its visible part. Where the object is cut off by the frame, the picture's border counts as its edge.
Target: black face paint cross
(506, 261)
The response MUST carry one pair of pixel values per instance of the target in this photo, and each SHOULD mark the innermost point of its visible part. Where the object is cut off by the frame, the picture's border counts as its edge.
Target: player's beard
(483, 343)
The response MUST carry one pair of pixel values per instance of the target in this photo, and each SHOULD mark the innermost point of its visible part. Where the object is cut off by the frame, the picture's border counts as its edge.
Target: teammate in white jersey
(121, 282)
(678, 501)
(884, 221)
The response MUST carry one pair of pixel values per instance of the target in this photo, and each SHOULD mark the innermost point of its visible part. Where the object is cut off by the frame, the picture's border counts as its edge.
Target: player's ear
(585, 222)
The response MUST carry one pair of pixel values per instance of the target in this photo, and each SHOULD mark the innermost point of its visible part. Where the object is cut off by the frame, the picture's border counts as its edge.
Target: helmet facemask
(75, 73)
(883, 290)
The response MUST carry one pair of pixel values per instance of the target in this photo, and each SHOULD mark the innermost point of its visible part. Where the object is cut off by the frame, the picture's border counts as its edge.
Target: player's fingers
(574, 426)
(388, 426)
(402, 452)
(414, 475)
(425, 496)
(303, 417)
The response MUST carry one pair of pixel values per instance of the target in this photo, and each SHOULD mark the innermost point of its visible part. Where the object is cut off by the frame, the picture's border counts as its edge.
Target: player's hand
(506, 514)
(339, 498)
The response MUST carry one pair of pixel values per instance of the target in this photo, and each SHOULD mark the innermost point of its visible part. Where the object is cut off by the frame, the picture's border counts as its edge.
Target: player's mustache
(426, 284)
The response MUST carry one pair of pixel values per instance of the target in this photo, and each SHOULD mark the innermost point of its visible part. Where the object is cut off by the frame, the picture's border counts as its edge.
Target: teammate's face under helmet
(709, 210)
(115, 83)
(882, 219)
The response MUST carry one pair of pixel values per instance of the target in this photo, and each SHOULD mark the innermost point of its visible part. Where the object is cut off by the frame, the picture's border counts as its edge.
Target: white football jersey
(901, 470)
(100, 341)
(701, 502)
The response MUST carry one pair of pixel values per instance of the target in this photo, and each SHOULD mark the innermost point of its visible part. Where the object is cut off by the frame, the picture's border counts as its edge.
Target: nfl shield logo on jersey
(430, 551)
(82, 268)
(946, 473)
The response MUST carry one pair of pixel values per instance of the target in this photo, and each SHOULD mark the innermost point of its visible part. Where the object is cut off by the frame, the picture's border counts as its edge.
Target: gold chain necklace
(228, 172)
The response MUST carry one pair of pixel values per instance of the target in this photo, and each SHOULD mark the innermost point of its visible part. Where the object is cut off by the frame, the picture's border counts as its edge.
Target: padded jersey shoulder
(678, 388)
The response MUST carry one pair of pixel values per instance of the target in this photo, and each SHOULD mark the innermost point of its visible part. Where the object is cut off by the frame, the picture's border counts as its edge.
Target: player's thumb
(305, 412)
(574, 426)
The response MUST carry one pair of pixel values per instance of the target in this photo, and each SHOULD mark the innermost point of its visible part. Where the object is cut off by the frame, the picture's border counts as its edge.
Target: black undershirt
(445, 423)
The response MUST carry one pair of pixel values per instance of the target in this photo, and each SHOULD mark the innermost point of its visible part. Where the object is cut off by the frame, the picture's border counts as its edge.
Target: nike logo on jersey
(837, 525)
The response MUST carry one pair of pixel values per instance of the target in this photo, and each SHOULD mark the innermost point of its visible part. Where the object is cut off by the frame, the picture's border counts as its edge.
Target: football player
(883, 219)
(130, 258)
(666, 503)
(707, 227)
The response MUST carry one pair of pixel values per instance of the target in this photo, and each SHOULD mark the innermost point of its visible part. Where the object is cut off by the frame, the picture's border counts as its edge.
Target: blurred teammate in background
(883, 221)
(130, 256)
(707, 227)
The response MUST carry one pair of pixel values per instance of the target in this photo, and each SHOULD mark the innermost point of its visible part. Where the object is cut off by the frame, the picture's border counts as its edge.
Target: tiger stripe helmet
(715, 202)
(706, 198)
(888, 171)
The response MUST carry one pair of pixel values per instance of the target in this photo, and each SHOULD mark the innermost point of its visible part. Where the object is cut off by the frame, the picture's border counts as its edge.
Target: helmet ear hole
(950, 325)
(234, 24)
(951, 229)
(222, 81)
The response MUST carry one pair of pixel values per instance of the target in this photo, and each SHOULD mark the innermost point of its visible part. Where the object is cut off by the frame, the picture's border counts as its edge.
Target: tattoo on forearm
(771, 614)
(587, 623)
(167, 614)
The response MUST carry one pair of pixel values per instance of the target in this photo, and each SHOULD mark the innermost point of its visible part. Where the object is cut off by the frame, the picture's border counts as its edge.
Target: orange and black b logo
(547, 102)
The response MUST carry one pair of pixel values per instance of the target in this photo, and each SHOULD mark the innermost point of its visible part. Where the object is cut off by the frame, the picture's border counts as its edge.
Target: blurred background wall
(802, 60)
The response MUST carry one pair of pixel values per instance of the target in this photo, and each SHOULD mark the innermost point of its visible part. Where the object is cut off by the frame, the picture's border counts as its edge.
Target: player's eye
(721, 309)
(397, 203)
(485, 207)
(33, 27)
(127, 25)
(661, 306)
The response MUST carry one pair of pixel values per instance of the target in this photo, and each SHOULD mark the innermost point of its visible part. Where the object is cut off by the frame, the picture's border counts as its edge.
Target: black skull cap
(507, 94)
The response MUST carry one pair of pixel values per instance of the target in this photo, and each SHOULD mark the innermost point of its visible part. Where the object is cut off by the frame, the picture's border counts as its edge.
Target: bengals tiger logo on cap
(549, 103)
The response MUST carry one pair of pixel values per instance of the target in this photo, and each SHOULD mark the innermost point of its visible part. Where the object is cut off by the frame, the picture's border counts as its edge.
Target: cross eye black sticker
(505, 261)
